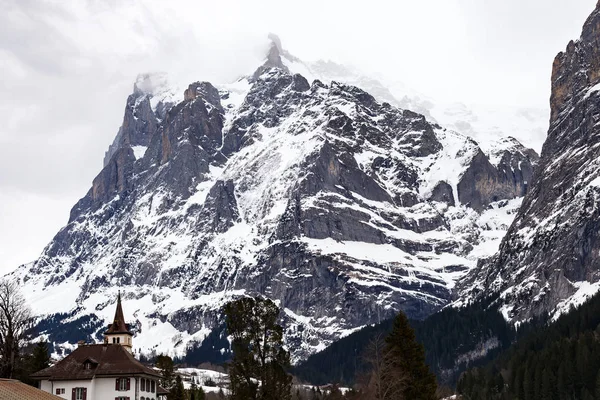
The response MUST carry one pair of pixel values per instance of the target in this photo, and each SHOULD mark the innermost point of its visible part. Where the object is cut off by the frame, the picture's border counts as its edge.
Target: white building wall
(105, 389)
(100, 389)
(69, 385)
(46, 386)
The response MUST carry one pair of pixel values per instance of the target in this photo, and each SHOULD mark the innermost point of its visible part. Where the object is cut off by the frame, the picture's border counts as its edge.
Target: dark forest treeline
(448, 336)
(555, 362)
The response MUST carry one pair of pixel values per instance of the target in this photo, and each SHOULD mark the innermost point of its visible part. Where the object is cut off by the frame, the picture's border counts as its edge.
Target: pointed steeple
(118, 332)
(118, 325)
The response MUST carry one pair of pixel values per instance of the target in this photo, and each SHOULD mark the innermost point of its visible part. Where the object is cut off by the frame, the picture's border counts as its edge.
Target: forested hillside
(454, 339)
(559, 361)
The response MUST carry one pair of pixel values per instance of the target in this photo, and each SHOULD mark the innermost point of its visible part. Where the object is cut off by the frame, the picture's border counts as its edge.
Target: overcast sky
(67, 67)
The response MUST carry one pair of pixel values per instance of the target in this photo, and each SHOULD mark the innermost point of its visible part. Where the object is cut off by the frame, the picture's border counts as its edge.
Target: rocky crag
(341, 208)
(549, 259)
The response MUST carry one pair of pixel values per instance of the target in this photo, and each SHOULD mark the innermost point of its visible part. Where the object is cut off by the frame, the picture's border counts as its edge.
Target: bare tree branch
(15, 324)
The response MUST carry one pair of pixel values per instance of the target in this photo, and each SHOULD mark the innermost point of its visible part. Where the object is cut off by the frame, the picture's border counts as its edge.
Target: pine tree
(193, 389)
(598, 385)
(167, 370)
(40, 357)
(548, 390)
(258, 368)
(407, 361)
(177, 392)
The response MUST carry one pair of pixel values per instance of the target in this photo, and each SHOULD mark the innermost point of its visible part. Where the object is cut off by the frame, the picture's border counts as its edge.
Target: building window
(152, 386)
(122, 384)
(60, 391)
(80, 393)
(143, 385)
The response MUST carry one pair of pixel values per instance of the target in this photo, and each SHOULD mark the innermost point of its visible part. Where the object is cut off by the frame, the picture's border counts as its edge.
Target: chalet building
(103, 371)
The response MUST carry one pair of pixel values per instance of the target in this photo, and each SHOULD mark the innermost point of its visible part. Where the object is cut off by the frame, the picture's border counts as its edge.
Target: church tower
(118, 332)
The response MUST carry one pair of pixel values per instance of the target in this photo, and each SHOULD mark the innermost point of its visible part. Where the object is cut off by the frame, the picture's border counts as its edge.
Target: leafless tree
(384, 382)
(15, 324)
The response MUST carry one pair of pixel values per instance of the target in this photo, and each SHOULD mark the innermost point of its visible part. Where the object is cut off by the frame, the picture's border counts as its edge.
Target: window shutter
(73, 394)
(117, 384)
(128, 386)
(84, 393)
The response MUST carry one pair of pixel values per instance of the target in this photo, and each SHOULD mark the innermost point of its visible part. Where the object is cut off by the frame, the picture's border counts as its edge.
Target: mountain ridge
(340, 208)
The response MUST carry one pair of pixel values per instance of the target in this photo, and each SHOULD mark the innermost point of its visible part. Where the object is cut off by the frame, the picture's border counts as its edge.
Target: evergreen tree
(196, 392)
(598, 386)
(258, 368)
(537, 380)
(407, 361)
(40, 357)
(167, 370)
(177, 391)
(36, 359)
(548, 389)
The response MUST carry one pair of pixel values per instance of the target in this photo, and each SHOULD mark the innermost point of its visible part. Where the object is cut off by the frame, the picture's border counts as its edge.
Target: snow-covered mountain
(341, 208)
(549, 260)
(486, 124)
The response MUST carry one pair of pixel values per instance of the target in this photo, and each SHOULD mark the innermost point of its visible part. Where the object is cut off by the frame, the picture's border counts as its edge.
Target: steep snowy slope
(340, 208)
(549, 259)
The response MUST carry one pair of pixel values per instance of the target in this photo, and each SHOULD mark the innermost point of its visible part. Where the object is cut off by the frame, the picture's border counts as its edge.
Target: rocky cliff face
(146, 107)
(342, 209)
(549, 259)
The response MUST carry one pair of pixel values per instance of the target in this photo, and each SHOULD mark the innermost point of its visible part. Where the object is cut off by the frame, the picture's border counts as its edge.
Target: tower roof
(118, 325)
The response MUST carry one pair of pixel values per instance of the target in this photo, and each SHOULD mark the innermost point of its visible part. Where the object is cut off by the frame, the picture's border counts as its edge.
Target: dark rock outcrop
(551, 250)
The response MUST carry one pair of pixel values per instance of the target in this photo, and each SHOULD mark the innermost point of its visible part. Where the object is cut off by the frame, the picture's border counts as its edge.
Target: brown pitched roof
(15, 390)
(118, 325)
(112, 359)
(162, 390)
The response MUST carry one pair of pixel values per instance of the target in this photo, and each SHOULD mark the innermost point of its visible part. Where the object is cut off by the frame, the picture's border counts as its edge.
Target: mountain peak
(151, 83)
(273, 57)
(275, 40)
